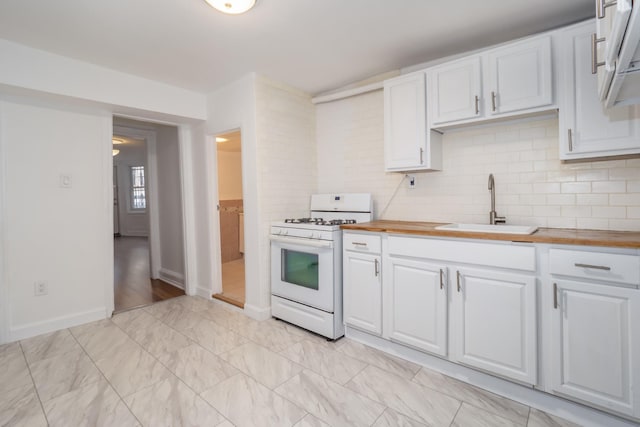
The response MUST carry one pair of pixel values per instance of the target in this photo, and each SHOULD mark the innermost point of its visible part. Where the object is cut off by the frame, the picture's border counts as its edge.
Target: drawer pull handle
(358, 244)
(377, 268)
(596, 267)
(458, 279)
(493, 101)
(441, 279)
(477, 104)
(555, 295)
(570, 138)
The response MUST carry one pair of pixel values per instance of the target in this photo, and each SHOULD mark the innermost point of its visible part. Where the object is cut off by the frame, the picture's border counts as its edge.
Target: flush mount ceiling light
(221, 139)
(117, 141)
(115, 152)
(232, 7)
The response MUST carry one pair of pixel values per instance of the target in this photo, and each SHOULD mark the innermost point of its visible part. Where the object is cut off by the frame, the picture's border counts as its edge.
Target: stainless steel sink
(489, 228)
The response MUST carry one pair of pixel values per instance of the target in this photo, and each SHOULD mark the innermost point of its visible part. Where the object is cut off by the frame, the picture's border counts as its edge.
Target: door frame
(152, 187)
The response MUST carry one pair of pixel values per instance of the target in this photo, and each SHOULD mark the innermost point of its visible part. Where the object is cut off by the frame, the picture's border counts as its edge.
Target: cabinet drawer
(517, 257)
(369, 243)
(618, 268)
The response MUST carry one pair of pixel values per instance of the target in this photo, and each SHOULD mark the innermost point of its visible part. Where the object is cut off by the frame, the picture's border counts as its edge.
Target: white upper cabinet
(519, 76)
(455, 90)
(408, 145)
(587, 129)
(506, 81)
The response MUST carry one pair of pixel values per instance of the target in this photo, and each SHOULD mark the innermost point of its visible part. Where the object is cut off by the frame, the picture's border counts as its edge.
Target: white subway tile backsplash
(608, 187)
(575, 187)
(532, 185)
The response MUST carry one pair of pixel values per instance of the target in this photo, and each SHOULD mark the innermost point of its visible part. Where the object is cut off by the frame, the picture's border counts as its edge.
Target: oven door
(302, 271)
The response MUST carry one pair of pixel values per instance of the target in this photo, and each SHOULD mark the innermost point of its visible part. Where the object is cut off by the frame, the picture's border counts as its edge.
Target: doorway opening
(231, 213)
(143, 273)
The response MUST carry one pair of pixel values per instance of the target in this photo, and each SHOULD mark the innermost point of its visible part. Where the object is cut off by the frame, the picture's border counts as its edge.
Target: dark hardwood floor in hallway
(133, 286)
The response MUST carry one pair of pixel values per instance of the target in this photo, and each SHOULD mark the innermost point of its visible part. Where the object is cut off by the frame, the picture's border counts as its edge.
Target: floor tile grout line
(105, 377)
(191, 342)
(456, 414)
(33, 383)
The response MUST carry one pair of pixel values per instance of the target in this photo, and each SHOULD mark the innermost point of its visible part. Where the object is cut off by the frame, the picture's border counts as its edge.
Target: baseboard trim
(203, 292)
(57, 323)
(172, 277)
(257, 313)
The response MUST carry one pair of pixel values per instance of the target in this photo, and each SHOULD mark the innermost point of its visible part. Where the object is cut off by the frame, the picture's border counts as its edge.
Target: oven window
(300, 268)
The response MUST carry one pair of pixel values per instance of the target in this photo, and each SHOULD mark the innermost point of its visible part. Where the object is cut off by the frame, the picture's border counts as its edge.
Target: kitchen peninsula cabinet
(509, 80)
(408, 145)
(587, 130)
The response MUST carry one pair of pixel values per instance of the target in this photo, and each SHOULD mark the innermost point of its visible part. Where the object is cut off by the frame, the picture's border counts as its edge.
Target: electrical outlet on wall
(40, 288)
(411, 181)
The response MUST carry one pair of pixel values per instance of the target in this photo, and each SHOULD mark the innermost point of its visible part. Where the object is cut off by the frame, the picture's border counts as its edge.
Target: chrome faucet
(493, 215)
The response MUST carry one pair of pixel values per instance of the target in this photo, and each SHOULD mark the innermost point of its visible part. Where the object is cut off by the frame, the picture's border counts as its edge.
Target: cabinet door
(595, 345)
(495, 322)
(417, 294)
(519, 76)
(362, 289)
(405, 122)
(455, 90)
(586, 128)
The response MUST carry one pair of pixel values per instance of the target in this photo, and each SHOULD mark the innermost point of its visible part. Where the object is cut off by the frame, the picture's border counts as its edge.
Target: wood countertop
(565, 236)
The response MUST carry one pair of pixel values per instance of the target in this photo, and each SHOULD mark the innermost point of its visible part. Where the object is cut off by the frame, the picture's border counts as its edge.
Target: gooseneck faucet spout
(493, 215)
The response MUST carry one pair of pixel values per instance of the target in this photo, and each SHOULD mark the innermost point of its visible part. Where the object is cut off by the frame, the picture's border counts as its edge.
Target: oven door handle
(302, 241)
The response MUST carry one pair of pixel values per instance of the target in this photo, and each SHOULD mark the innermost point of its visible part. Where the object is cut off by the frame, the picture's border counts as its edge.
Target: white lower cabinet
(362, 286)
(416, 304)
(494, 321)
(595, 342)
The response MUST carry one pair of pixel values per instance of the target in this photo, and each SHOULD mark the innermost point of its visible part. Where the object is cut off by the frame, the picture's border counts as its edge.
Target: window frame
(130, 204)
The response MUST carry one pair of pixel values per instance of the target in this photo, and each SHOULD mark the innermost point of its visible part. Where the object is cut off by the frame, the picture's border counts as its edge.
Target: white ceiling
(314, 45)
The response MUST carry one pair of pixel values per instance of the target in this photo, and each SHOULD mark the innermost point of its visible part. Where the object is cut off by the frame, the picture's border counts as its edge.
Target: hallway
(133, 286)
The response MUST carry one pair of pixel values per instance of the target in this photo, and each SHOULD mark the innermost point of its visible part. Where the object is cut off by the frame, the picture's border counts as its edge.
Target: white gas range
(306, 262)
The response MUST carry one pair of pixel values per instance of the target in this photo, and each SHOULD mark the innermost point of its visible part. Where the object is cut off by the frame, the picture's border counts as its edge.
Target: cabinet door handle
(596, 267)
(377, 267)
(421, 155)
(441, 279)
(458, 279)
(594, 53)
(555, 295)
(602, 5)
(358, 244)
(570, 139)
(493, 101)
(477, 104)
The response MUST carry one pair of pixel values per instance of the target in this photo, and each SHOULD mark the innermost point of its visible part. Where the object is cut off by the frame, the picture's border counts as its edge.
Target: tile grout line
(191, 342)
(104, 376)
(456, 414)
(33, 382)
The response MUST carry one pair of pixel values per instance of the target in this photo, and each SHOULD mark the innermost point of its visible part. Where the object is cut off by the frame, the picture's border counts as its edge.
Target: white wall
(229, 175)
(532, 185)
(28, 69)
(58, 235)
(131, 223)
(287, 165)
(170, 205)
(230, 108)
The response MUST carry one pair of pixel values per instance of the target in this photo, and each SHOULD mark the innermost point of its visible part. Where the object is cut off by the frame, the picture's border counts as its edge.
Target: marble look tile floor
(192, 362)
